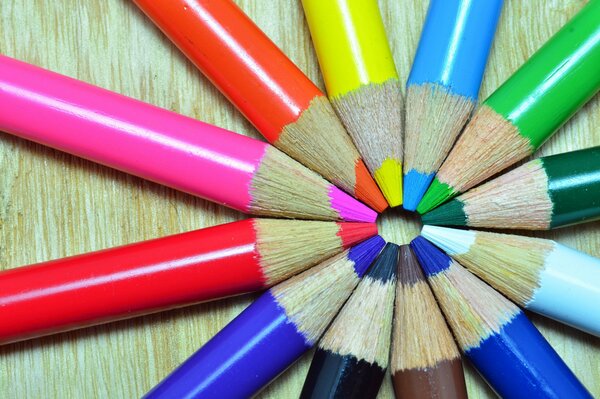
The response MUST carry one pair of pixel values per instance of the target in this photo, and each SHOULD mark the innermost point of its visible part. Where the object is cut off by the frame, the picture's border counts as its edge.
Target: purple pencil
(272, 333)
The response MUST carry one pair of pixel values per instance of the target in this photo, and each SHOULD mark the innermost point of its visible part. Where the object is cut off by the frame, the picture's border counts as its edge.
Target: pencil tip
(389, 179)
(364, 253)
(415, 185)
(409, 270)
(451, 214)
(366, 190)
(349, 208)
(437, 194)
(452, 241)
(352, 233)
(431, 259)
(384, 267)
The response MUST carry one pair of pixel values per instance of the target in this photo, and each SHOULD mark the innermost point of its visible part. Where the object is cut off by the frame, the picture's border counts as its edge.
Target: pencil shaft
(454, 45)
(351, 44)
(574, 186)
(127, 134)
(518, 362)
(242, 62)
(556, 81)
(243, 357)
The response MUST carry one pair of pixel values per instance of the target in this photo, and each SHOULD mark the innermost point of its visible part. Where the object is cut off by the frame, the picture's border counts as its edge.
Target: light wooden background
(53, 205)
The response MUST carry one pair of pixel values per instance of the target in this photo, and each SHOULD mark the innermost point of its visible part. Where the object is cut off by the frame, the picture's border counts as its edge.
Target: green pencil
(526, 110)
(543, 194)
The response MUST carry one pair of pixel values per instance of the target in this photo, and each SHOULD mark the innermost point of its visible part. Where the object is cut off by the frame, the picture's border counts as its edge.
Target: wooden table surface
(53, 205)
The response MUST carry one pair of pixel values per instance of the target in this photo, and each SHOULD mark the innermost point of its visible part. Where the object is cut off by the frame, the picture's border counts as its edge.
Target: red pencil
(164, 273)
(267, 87)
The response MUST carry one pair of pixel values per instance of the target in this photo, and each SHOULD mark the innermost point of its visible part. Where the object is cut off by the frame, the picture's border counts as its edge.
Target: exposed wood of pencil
(434, 119)
(509, 263)
(318, 138)
(488, 145)
(473, 309)
(313, 298)
(425, 361)
(373, 116)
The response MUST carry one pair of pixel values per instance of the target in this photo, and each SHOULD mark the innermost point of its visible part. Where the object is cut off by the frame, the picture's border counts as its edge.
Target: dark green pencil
(543, 194)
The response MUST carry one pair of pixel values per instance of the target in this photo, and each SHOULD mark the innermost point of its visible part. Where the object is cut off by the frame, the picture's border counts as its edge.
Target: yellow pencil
(362, 83)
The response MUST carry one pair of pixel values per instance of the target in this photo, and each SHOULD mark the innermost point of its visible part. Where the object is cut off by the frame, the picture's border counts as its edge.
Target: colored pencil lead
(362, 83)
(171, 149)
(514, 121)
(352, 356)
(540, 275)
(443, 85)
(425, 362)
(548, 192)
(499, 340)
(267, 88)
(272, 333)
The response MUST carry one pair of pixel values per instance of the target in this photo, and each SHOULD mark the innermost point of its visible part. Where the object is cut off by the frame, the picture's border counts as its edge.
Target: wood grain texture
(53, 205)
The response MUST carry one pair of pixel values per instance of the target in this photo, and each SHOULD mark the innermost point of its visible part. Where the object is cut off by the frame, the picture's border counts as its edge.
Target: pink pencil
(165, 147)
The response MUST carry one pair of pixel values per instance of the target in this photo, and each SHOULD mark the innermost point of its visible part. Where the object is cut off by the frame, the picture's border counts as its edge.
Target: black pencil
(352, 357)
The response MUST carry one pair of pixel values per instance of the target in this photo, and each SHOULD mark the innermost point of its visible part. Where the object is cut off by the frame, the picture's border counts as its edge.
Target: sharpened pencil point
(415, 185)
(384, 267)
(364, 253)
(432, 260)
(389, 179)
(349, 208)
(437, 194)
(353, 233)
(366, 190)
(449, 214)
(451, 241)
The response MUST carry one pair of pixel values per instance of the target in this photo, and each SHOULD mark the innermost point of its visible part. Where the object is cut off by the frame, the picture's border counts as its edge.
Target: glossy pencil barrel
(454, 45)
(518, 362)
(239, 59)
(243, 357)
(127, 134)
(130, 280)
(555, 82)
(573, 186)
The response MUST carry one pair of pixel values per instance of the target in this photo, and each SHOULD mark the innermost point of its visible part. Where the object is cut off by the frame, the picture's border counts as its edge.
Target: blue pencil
(503, 345)
(443, 85)
(272, 333)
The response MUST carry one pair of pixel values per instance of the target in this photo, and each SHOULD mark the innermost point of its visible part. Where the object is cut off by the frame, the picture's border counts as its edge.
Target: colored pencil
(494, 334)
(352, 357)
(178, 270)
(443, 85)
(526, 110)
(274, 331)
(138, 138)
(267, 88)
(540, 275)
(425, 360)
(548, 192)
(362, 83)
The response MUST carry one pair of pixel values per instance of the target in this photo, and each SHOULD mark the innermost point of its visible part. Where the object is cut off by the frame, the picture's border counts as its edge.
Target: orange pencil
(266, 86)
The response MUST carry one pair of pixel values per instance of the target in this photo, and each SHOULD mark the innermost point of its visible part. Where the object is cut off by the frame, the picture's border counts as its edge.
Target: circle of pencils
(272, 333)
(165, 147)
(374, 312)
(548, 192)
(443, 85)
(541, 275)
(526, 110)
(270, 91)
(362, 83)
(503, 345)
(352, 356)
(182, 269)
(425, 362)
